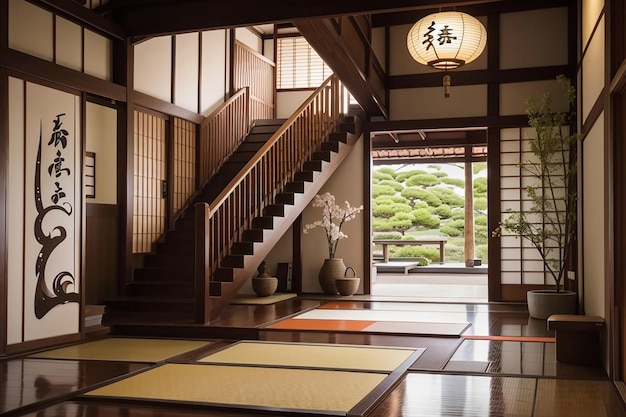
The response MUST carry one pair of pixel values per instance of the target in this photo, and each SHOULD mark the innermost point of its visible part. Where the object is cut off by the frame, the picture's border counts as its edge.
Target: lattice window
(298, 65)
(90, 175)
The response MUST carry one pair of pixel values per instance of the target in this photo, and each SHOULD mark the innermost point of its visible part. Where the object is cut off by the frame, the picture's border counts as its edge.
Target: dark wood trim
(42, 343)
(296, 267)
(83, 218)
(158, 18)
(455, 122)
(477, 77)
(433, 143)
(4, 162)
(494, 207)
(407, 17)
(125, 174)
(199, 82)
(101, 210)
(51, 72)
(494, 280)
(367, 208)
(517, 292)
(231, 62)
(173, 70)
(164, 107)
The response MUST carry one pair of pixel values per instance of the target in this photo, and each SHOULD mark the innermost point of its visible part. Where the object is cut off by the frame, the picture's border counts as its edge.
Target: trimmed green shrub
(378, 190)
(387, 170)
(381, 176)
(480, 187)
(422, 180)
(403, 176)
(424, 218)
(456, 182)
(448, 196)
(443, 211)
(393, 184)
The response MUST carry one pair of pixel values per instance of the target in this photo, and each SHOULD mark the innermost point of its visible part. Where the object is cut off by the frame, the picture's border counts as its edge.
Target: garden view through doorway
(422, 201)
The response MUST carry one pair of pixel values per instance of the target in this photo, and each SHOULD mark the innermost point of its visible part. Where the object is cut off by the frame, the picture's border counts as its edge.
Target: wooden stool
(577, 338)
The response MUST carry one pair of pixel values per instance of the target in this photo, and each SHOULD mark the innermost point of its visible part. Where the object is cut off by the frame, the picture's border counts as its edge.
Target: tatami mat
(378, 327)
(124, 349)
(251, 387)
(252, 299)
(346, 357)
(373, 321)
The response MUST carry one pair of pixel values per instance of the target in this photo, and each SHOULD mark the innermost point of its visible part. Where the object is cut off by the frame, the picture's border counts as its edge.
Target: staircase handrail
(232, 120)
(261, 179)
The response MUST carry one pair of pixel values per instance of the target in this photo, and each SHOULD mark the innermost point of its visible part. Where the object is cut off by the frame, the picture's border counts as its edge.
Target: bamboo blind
(184, 169)
(149, 211)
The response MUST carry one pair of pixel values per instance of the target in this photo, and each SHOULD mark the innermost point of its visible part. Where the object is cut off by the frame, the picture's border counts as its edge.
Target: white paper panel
(69, 47)
(97, 55)
(30, 29)
(15, 211)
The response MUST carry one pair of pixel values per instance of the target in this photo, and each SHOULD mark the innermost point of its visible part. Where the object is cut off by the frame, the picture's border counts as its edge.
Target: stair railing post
(202, 266)
(248, 111)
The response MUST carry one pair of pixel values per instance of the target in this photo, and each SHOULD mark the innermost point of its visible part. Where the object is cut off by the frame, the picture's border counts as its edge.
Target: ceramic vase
(332, 269)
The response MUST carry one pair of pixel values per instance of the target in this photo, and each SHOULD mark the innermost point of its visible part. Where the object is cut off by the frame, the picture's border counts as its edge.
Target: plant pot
(332, 269)
(264, 286)
(348, 285)
(544, 303)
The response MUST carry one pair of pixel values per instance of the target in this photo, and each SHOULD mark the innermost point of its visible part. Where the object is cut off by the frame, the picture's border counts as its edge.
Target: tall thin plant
(550, 221)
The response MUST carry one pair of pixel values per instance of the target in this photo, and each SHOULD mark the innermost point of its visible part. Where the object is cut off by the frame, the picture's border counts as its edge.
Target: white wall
(186, 72)
(101, 138)
(40, 33)
(594, 218)
(345, 186)
(213, 77)
(153, 67)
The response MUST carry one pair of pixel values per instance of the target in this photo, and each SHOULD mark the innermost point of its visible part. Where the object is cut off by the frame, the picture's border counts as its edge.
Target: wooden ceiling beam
(160, 17)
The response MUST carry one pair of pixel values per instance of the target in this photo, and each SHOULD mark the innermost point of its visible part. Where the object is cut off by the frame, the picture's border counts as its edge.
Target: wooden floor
(515, 375)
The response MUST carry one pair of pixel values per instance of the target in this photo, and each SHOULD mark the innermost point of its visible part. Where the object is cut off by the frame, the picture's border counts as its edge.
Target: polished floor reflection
(503, 366)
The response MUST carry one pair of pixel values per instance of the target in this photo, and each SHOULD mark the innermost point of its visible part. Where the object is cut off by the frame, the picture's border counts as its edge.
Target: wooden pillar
(469, 207)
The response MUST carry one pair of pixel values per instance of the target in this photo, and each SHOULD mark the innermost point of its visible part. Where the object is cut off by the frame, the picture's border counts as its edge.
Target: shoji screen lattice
(184, 162)
(149, 210)
(520, 261)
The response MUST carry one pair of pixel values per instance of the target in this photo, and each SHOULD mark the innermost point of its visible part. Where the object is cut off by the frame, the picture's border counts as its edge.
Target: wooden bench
(385, 243)
(577, 338)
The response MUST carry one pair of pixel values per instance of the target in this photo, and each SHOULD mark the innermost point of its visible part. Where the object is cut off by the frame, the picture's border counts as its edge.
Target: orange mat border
(511, 338)
(327, 325)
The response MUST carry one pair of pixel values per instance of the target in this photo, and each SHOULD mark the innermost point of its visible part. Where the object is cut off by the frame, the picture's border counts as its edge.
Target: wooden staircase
(165, 288)
(164, 285)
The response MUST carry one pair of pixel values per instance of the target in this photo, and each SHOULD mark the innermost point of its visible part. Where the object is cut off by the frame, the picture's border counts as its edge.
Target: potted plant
(333, 218)
(549, 224)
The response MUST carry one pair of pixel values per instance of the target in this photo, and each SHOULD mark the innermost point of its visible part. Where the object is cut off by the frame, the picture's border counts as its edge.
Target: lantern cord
(446, 85)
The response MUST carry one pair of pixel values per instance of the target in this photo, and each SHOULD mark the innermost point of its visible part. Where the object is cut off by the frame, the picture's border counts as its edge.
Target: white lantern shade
(446, 40)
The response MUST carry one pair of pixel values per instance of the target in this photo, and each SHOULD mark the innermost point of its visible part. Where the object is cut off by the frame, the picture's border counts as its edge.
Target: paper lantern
(446, 40)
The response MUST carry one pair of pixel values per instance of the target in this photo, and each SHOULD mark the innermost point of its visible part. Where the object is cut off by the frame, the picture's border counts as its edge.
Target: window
(299, 66)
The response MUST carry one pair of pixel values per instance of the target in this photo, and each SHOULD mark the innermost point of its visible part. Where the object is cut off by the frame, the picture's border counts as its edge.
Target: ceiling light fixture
(445, 41)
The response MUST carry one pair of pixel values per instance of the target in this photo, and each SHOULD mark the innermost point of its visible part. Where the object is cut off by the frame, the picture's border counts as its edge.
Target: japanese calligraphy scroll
(51, 213)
